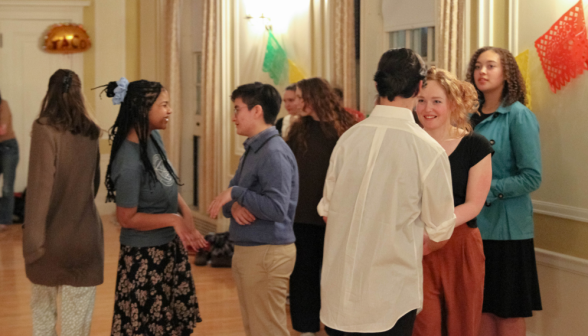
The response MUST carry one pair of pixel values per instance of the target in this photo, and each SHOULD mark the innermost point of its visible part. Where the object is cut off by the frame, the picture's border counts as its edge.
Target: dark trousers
(305, 281)
(403, 327)
(8, 162)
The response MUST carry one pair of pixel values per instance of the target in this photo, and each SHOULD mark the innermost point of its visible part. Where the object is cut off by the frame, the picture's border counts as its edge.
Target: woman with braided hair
(63, 245)
(511, 290)
(155, 293)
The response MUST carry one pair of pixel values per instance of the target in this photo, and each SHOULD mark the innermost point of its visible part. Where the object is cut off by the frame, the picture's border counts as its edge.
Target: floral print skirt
(155, 293)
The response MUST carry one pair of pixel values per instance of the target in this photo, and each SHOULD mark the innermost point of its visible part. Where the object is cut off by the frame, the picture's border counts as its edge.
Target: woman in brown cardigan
(63, 241)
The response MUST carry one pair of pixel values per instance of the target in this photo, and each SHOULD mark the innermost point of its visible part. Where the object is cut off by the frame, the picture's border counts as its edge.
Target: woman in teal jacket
(511, 290)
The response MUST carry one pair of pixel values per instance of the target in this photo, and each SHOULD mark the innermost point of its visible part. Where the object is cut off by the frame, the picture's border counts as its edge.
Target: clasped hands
(240, 214)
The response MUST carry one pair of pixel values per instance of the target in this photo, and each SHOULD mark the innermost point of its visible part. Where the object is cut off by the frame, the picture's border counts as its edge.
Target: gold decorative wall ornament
(67, 38)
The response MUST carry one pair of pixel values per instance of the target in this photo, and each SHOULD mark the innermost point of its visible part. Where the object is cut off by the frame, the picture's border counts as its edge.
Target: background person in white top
(387, 187)
(293, 104)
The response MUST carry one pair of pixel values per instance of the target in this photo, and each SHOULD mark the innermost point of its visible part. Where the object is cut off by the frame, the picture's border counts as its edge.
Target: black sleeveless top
(471, 150)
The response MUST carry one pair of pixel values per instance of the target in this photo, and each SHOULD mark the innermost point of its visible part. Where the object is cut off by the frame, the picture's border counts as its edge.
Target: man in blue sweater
(261, 202)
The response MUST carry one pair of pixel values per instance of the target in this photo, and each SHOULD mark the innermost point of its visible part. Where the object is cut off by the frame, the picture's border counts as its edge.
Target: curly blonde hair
(514, 85)
(461, 94)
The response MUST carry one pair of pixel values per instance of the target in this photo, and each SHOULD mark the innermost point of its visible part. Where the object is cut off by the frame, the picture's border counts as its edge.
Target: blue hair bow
(120, 91)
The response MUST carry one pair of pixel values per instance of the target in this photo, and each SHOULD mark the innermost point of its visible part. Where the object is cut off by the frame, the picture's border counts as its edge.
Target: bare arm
(431, 246)
(479, 180)
(5, 117)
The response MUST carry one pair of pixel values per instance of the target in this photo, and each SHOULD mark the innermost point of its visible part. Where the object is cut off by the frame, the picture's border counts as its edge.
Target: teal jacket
(513, 132)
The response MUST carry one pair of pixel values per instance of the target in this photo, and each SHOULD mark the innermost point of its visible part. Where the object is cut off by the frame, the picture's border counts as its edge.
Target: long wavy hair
(461, 94)
(514, 85)
(134, 113)
(64, 106)
(334, 120)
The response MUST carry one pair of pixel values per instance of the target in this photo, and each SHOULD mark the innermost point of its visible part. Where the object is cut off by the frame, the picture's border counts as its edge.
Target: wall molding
(562, 262)
(560, 210)
(46, 3)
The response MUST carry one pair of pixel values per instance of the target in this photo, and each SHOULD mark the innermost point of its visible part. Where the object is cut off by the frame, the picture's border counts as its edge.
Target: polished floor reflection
(215, 288)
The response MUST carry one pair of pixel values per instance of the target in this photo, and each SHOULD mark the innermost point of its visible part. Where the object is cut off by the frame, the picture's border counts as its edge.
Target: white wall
(562, 115)
(564, 143)
(372, 46)
(294, 26)
(110, 57)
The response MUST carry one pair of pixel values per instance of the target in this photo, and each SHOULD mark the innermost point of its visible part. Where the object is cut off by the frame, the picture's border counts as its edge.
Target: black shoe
(202, 258)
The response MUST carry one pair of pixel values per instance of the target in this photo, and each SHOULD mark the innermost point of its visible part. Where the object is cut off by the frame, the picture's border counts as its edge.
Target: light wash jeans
(8, 162)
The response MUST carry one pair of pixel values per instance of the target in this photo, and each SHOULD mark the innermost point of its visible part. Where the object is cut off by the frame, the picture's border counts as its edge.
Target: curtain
(171, 79)
(211, 105)
(344, 75)
(451, 36)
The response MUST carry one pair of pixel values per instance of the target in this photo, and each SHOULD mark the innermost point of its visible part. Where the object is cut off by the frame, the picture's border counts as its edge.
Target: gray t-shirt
(135, 188)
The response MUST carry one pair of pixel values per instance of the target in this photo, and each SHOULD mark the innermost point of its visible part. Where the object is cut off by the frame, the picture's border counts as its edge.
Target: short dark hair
(399, 73)
(291, 87)
(263, 95)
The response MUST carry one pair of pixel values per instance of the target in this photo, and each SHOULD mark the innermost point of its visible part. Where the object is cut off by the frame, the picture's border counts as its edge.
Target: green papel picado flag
(275, 62)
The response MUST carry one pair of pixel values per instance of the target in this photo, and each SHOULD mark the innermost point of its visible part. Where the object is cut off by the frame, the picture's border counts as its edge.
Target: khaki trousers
(77, 305)
(262, 274)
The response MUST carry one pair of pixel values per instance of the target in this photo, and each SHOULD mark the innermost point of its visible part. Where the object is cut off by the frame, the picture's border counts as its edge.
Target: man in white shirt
(387, 196)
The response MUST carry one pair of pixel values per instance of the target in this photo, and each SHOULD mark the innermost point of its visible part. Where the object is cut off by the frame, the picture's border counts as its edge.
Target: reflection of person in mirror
(8, 162)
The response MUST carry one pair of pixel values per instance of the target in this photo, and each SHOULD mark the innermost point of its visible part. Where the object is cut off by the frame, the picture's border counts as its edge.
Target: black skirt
(155, 293)
(511, 287)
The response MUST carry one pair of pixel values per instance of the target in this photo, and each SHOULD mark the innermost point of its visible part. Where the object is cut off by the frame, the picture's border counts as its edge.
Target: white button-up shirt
(387, 181)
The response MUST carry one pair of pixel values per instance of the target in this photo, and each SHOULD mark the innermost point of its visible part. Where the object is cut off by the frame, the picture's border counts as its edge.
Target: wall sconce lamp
(266, 21)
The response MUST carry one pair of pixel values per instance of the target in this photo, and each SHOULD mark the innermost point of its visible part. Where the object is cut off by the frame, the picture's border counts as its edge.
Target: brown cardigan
(63, 242)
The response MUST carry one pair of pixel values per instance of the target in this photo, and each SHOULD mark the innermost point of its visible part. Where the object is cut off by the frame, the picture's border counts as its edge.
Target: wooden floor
(217, 295)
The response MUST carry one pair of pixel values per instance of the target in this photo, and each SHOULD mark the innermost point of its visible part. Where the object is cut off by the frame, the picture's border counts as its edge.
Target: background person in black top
(322, 120)
(453, 277)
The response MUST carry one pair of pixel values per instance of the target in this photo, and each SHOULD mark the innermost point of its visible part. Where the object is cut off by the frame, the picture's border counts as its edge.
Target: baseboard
(560, 210)
(561, 262)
